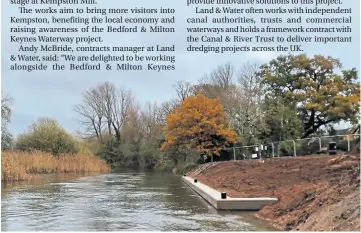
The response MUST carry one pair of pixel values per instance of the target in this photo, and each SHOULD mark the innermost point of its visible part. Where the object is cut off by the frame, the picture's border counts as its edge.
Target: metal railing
(296, 147)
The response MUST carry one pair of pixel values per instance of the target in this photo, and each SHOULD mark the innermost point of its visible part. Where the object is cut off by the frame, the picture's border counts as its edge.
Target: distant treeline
(289, 97)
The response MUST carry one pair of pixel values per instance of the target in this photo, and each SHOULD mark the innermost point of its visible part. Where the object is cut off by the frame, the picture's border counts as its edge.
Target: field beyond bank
(19, 166)
(316, 193)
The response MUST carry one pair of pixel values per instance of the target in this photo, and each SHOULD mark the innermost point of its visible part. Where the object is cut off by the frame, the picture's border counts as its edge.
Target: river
(127, 201)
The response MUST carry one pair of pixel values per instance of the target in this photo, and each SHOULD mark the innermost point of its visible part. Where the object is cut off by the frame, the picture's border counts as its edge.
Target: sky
(54, 94)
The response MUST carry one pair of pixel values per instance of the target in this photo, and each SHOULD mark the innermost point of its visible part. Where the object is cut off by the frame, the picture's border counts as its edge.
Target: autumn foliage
(198, 123)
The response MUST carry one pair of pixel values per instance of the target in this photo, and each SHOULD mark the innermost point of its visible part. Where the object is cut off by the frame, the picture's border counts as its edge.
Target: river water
(144, 201)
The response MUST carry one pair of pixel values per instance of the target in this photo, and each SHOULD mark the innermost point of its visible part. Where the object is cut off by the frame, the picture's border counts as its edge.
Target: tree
(218, 84)
(132, 136)
(198, 123)
(222, 77)
(124, 103)
(320, 95)
(92, 113)
(282, 121)
(246, 111)
(105, 106)
(47, 135)
(151, 117)
(184, 90)
(6, 136)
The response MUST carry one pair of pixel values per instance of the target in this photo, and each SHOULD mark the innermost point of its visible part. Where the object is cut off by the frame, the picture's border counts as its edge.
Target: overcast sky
(54, 94)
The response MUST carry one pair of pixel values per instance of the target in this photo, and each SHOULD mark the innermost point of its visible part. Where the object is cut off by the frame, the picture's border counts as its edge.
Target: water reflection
(114, 202)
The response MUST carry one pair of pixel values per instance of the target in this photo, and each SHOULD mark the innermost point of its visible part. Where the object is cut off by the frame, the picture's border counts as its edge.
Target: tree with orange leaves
(198, 123)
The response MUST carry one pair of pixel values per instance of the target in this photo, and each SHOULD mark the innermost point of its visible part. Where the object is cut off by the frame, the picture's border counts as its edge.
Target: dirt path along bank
(316, 193)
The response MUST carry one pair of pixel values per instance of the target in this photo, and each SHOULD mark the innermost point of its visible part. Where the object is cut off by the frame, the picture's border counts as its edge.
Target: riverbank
(20, 166)
(116, 201)
(316, 193)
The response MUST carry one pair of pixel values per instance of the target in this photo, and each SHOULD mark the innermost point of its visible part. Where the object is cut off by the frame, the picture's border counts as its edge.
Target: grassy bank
(18, 166)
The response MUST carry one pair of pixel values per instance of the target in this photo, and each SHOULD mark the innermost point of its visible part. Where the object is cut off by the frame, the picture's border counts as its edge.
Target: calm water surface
(146, 201)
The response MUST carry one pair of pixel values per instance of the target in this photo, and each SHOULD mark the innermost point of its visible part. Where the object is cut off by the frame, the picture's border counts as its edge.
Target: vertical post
(294, 148)
(319, 142)
(260, 151)
(234, 154)
(273, 150)
(348, 143)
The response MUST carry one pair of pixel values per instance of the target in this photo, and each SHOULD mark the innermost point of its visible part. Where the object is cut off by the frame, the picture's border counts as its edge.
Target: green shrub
(48, 136)
(149, 155)
(110, 151)
(286, 149)
(307, 147)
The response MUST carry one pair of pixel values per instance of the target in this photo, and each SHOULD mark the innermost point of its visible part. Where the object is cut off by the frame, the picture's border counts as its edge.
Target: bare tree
(123, 103)
(166, 108)
(107, 94)
(250, 81)
(131, 129)
(152, 120)
(219, 80)
(6, 108)
(223, 76)
(92, 113)
(183, 89)
(246, 113)
(105, 105)
(6, 136)
(218, 83)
